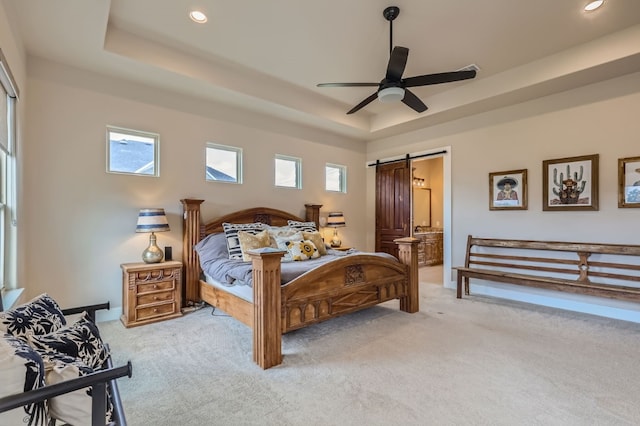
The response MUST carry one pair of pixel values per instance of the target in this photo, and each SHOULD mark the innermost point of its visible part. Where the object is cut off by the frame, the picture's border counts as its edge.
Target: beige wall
(598, 119)
(80, 220)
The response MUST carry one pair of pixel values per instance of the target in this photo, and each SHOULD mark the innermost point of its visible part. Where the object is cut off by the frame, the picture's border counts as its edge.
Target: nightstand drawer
(163, 296)
(155, 311)
(151, 292)
(157, 286)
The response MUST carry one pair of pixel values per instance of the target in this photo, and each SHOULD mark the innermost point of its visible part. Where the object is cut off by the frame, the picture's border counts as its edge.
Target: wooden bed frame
(346, 285)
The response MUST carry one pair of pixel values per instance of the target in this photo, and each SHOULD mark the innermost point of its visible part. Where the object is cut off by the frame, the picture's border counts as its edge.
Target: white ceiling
(268, 56)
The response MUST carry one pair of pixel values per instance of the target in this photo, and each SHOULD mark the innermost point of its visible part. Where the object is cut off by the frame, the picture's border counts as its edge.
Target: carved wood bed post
(408, 254)
(267, 307)
(191, 233)
(312, 214)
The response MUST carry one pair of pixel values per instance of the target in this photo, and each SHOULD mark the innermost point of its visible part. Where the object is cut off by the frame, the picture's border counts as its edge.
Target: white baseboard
(608, 308)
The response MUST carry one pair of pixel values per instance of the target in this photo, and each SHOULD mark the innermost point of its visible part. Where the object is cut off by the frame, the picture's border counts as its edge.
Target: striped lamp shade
(336, 220)
(152, 220)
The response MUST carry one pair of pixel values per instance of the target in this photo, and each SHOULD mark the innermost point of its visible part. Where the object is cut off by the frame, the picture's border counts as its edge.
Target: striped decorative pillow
(302, 226)
(231, 233)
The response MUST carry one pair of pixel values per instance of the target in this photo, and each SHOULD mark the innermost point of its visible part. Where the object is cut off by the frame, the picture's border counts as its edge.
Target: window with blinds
(8, 99)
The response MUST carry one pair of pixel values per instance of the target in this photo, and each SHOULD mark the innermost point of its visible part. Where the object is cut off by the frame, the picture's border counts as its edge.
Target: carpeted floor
(476, 361)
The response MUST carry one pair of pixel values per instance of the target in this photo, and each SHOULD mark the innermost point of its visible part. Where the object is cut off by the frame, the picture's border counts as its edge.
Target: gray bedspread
(236, 272)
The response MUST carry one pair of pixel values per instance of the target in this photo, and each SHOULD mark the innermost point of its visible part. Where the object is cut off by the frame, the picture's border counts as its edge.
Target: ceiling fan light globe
(391, 94)
(593, 5)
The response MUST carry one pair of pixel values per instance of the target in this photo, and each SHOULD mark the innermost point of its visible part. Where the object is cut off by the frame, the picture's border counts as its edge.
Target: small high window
(132, 152)
(335, 178)
(223, 163)
(288, 172)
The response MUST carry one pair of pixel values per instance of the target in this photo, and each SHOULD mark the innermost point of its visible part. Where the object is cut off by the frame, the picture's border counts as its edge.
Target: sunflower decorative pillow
(302, 250)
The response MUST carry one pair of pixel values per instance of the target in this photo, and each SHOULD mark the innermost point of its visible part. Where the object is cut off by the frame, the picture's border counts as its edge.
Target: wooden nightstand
(150, 292)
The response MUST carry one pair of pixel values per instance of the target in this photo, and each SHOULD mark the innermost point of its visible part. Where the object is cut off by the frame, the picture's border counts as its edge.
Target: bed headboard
(194, 230)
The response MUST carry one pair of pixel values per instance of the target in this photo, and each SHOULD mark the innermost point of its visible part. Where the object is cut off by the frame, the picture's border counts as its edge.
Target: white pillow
(73, 408)
(281, 243)
(280, 231)
(19, 362)
(302, 250)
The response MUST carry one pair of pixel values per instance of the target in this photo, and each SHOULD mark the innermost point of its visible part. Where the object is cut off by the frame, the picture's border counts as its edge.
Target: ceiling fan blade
(413, 101)
(363, 103)
(348, 84)
(397, 62)
(443, 77)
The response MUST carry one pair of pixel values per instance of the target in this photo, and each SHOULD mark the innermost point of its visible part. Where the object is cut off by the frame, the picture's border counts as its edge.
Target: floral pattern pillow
(283, 244)
(79, 340)
(302, 250)
(41, 315)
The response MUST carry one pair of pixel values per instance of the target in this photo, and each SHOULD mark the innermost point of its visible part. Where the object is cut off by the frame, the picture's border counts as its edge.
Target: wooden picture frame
(629, 182)
(570, 183)
(508, 190)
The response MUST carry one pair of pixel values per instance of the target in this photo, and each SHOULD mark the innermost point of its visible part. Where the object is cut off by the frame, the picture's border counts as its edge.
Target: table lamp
(152, 220)
(335, 220)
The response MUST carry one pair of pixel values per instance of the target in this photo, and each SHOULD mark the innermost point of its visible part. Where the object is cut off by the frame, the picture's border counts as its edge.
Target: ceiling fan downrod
(391, 13)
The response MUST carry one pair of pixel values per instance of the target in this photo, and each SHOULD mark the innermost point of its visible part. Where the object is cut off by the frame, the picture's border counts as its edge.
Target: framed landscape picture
(570, 183)
(629, 182)
(508, 190)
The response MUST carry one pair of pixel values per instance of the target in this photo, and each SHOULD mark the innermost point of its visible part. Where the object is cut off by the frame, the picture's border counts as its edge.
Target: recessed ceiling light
(593, 5)
(197, 16)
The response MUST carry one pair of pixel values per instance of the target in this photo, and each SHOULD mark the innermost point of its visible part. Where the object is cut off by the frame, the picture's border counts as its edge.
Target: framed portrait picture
(629, 182)
(570, 183)
(508, 190)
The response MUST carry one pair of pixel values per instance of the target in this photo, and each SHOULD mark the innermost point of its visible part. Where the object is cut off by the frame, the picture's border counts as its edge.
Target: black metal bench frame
(99, 380)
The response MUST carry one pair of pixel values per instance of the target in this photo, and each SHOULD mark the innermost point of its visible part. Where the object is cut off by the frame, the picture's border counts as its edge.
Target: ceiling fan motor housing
(391, 94)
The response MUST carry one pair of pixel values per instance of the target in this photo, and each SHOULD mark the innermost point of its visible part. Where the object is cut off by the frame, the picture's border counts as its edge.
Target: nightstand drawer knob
(155, 310)
(155, 286)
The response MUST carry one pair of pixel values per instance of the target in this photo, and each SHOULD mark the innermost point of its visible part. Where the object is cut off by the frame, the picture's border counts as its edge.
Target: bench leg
(459, 286)
(466, 285)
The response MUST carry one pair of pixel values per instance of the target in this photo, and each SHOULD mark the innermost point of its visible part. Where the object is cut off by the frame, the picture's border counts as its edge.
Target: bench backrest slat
(521, 258)
(529, 267)
(613, 265)
(618, 249)
(510, 255)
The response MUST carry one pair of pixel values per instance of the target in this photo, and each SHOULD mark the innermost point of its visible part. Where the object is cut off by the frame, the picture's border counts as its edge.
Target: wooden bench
(561, 266)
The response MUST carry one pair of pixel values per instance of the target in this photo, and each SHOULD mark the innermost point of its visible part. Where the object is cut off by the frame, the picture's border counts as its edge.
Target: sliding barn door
(393, 205)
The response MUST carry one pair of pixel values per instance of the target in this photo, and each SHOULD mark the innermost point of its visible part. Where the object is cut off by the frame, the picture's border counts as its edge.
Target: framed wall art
(629, 182)
(508, 190)
(570, 183)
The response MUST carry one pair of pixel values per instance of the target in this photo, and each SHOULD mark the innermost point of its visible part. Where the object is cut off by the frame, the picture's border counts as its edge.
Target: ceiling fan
(393, 87)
